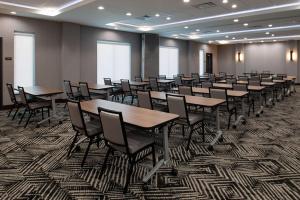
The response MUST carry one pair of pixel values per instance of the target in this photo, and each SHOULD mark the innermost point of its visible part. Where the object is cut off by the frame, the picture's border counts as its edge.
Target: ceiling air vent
(144, 18)
(205, 5)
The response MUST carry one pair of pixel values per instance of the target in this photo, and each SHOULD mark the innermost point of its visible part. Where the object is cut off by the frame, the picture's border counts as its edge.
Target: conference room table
(231, 93)
(52, 93)
(138, 84)
(198, 101)
(166, 82)
(97, 87)
(141, 118)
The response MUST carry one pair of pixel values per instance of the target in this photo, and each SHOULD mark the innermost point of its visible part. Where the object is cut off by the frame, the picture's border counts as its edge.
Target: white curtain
(168, 61)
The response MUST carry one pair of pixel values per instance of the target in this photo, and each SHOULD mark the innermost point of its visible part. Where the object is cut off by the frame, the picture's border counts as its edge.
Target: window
(168, 61)
(113, 61)
(24, 59)
(201, 62)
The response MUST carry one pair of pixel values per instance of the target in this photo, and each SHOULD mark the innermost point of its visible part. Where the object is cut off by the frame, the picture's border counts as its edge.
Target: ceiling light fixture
(274, 40)
(218, 31)
(246, 24)
(234, 6)
(267, 33)
(225, 1)
(101, 8)
(186, 27)
(13, 13)
(226, 36)
(197, 30)
(145, 28)
(270, 25)
(129, 14)
(233, 38)
(210, 41)
(157, 15)
(236, 20)
(186, 1)
(273, 35)
(168, 18)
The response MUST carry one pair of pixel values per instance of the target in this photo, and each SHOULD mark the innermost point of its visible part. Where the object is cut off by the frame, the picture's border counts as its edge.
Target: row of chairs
(30, 106)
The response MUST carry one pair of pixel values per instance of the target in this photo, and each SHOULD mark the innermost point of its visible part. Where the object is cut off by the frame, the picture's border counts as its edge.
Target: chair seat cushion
(195, 118)
(93, 128)
(39, 104)
(136, 142)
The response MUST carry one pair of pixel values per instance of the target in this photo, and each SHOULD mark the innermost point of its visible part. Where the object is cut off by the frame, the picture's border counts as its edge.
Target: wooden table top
(187, 79)
(134, 83)
(255, 88)
(42, 91)
(193, 100)
(267, 83)
(232, 93)
(279, 81)
(94, 86)
(140, 117)
(222, 85)
(291, 78)
(161, 80)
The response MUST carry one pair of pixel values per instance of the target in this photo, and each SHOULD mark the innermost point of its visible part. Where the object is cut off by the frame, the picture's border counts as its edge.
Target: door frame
(1, 73)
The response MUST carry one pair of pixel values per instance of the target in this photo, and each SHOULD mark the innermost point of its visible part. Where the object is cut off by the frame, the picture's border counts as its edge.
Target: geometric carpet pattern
(259, 160)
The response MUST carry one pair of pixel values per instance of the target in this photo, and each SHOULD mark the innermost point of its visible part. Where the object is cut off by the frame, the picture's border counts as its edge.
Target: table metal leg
(261, 110)
(108, 94)
(219, 131)
(163, 161)
(54, 112)
(242, 117)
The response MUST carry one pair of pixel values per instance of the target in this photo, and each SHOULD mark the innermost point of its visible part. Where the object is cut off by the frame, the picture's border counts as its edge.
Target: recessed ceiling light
(209, 41)
(175, 35)
(225, 1)
(157, 15)
(273, 35)
(13, 13)
(236, 20)
(186, 1)
(245, 38)
(262, 41)
(186, 27)
(227, 36)
(101, 8)
(250, 42)
(198, 30)
(270, 25)
(128, 14)
(168, 18)
(274, 40)
(116, 28)
(234, 6)
(267, 33)
(246, 24)
(218, 31)
(233, 38)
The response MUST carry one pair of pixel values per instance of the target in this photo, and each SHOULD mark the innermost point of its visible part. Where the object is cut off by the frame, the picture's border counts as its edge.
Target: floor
(260, 160)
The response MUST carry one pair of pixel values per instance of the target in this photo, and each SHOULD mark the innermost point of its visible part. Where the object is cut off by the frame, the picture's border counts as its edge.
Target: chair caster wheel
(210, 148)
(244, 122)
(234, 126)
(174, 172)
(60, 122)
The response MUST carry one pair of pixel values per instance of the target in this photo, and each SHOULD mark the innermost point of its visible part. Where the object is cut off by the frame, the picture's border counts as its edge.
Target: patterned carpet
(260, 160)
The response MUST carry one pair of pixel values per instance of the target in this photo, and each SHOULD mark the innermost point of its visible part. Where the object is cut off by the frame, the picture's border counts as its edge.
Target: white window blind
(201, 62)
(113, 61)
(24, 59)
(168, 61)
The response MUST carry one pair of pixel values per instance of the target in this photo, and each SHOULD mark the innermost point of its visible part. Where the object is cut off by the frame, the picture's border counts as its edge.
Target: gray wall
(88, 42)
(151, 55)
(47, 47)
(259, 57)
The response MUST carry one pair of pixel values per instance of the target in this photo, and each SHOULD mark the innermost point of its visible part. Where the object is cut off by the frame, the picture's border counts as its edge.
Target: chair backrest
(113, 127)
(22, 95)
(180, 75)
(265, 75)
(266, 80)
(185, 90)
(243, 78)
(68, 88)
(11, 92)
(255, 78)
(212, 78)
(240, 87)
(231, 80)
(84, 89)
(178, 80)
(222, 73)
(153, 83)
(206, 84)
(277, 78)
(138, 79)
(144, 99)
(125, 85)
(282, 75)
(254, 82)
(196, 77)
(164, 77)
(76, 116)
(107, 81)
(218, 93)
(177, 105)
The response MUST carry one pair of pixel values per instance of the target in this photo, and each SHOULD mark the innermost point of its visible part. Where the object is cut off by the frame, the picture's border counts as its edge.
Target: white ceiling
(284, 15)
